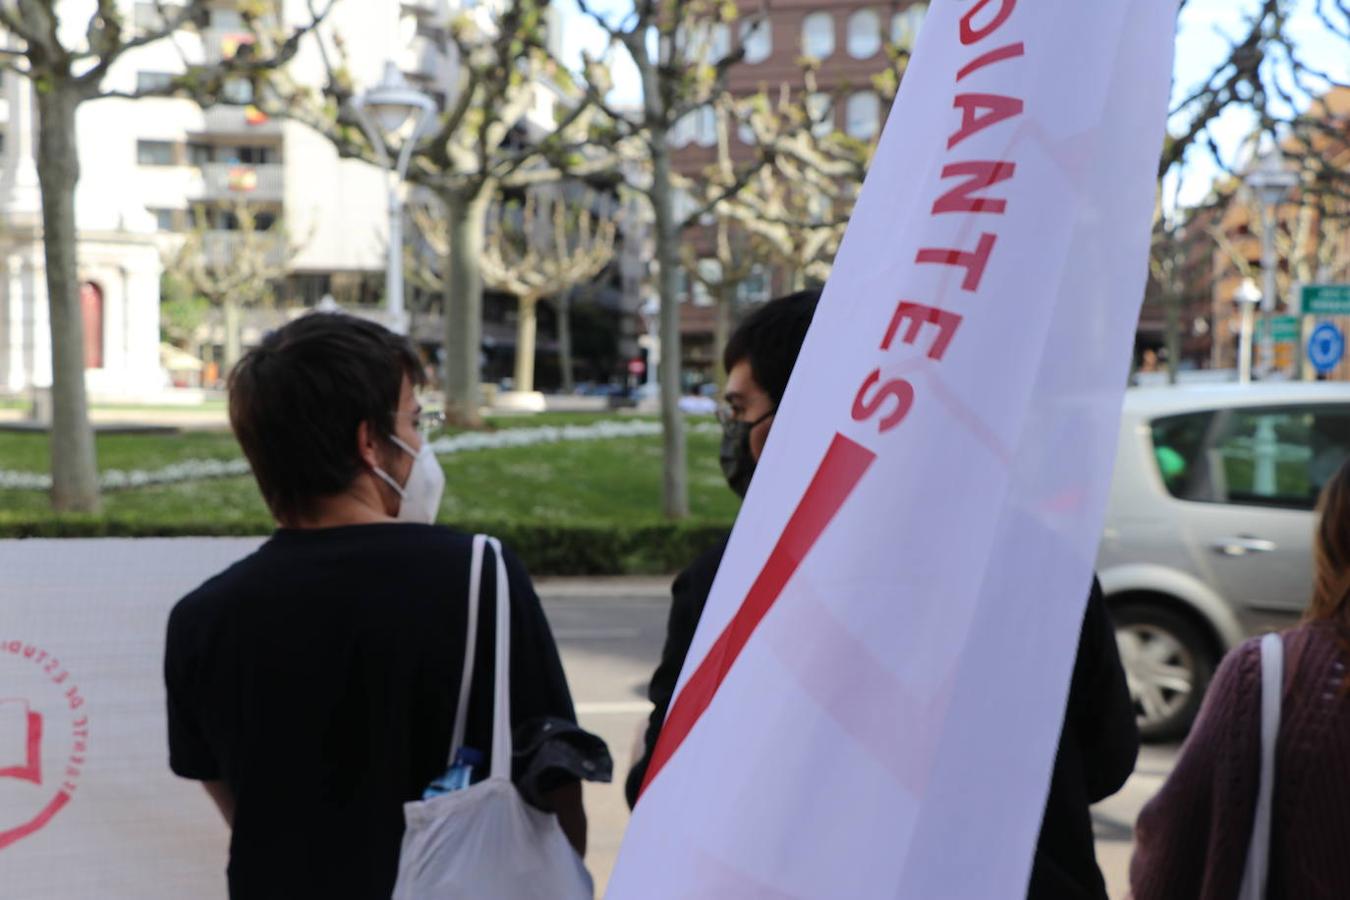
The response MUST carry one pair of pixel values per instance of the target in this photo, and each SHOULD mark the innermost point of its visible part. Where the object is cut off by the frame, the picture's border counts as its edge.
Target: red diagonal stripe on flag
(836, 477)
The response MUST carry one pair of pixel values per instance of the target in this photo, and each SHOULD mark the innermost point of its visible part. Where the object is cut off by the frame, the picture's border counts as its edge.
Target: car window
(1178, 444)
(1276, 456)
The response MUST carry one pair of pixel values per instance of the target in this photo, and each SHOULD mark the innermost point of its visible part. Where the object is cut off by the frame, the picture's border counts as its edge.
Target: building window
(905, 25)
(820, 107)
(706, 127)
(682, 132)
(155, 153)
(719, 45)
(818, 35)
(253, 156)
(709, 272)
(200, 154)
(165, 219)
(757, 39)
(864, 34)
(745, 133)
(862, 115)
(237, 91)
(227, 19)
(154, 81)
(754, 288)
(682, 204)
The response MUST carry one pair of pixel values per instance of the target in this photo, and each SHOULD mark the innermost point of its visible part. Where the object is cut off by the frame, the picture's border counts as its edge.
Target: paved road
(610, 633)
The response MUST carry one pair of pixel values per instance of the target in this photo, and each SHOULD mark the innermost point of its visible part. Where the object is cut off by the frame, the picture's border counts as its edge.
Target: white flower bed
(204, 469)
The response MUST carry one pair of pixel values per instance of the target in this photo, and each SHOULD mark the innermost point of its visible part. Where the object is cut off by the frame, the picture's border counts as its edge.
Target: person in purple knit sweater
(1191, 839)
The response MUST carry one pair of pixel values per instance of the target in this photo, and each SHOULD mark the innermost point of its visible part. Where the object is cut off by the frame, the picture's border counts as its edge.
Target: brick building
(848, 40)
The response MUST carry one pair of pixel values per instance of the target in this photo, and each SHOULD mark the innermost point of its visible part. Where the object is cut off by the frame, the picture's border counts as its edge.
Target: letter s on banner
(898, 388)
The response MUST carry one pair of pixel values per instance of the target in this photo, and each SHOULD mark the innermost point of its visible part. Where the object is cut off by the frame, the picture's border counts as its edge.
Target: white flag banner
(88, 806)
(871, 705)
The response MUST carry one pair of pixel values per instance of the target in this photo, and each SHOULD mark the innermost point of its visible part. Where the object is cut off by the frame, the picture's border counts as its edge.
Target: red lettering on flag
(838, 474)
(972, 34)
(972, 261)
(980, 111)
(1011, 51)
(978, 175)
(917, 314)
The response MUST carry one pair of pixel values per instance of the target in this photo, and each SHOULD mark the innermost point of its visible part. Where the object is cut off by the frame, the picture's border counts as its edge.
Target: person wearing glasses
(1099, 740)
(312, 686)
(759, 358)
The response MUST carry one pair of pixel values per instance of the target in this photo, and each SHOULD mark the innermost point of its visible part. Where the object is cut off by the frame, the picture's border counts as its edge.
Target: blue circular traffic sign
(1326, 347)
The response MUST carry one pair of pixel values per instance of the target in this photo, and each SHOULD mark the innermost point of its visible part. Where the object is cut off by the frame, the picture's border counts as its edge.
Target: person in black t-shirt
(312, 686)
(1099, 739)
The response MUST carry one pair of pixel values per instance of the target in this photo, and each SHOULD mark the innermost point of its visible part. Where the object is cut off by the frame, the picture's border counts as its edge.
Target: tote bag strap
(501, 705)
(1272, 686)
(470, 646)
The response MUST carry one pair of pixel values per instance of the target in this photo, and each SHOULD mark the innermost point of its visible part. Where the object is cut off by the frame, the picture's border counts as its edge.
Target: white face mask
(421, 494)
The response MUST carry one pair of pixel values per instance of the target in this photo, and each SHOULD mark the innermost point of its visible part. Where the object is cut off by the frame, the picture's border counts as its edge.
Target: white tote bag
(485, 842)
(1272, 684)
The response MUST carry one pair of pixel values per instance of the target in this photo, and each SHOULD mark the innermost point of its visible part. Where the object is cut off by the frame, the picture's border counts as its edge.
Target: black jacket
(1097, 746)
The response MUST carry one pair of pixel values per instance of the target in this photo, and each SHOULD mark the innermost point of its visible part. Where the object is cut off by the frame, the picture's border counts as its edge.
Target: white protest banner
(871, 705)
(88, 806)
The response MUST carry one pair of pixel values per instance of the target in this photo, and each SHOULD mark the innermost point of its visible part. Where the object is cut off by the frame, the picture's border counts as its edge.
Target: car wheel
(1168, 665)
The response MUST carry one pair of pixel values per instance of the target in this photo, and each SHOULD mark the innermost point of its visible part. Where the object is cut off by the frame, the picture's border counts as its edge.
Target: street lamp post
(384, 111)
(1271, 182)
(1247, 297)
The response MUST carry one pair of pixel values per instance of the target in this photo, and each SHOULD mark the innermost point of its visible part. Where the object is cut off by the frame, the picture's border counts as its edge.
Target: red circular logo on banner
(44, 738)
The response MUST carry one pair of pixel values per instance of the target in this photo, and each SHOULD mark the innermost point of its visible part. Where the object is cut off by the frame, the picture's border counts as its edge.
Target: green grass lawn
(582, 483)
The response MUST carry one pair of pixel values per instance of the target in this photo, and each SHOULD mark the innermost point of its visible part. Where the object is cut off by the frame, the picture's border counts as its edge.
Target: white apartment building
(146, 164)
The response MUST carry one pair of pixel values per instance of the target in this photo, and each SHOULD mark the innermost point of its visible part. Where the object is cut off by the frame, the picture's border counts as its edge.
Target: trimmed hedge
(546, 549)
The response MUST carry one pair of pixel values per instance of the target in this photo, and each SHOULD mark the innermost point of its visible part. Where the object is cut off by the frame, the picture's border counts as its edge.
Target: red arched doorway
(91, 310)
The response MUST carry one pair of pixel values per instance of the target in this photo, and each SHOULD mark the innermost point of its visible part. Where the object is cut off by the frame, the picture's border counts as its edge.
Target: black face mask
(738, 465)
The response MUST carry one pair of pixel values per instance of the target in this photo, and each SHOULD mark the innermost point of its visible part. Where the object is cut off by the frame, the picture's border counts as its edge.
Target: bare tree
(682, 69)
(798, 205)
(543, 247)
(67, 74)
(232, 269)
(480, 144)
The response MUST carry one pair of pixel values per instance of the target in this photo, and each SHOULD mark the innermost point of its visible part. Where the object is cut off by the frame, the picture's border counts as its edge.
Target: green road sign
(1326, 299)
(1285, 328)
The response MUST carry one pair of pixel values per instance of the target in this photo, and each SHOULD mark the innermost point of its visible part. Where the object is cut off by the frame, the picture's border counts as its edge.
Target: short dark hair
(297, 400)
(770, 339)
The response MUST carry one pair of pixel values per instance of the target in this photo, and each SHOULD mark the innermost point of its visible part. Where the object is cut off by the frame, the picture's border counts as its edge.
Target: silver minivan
(1208, 534)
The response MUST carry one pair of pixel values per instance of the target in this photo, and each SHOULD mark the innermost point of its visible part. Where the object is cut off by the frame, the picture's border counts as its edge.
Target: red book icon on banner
(20, 741)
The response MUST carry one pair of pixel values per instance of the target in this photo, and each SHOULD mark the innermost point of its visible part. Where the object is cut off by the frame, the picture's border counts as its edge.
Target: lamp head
(1271, 180)
(392, 101)
(1247, 292)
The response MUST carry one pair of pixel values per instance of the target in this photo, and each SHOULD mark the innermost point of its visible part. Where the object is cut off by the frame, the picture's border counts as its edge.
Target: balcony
(239, 120)
(240, 181)
(222, 248)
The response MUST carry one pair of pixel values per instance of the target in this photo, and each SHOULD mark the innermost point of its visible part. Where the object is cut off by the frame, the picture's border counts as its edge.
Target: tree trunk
(563, 304)
(527, 326)
(465, 215)
(74, 469)
(1172, 331)
(726, 296)
(234, 329)
(676, 479)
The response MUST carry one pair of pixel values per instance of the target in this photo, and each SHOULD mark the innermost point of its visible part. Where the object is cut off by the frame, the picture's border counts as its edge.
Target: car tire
(1160, 649)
